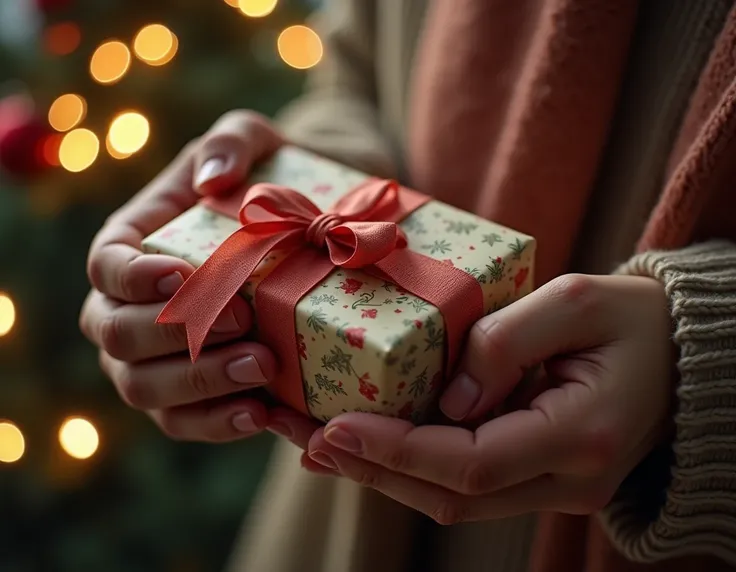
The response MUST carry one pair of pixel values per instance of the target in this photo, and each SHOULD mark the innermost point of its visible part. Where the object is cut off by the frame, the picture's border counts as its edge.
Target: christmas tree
(96, 96)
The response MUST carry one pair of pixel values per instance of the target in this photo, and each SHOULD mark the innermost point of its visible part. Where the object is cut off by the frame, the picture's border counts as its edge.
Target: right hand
(148, 362)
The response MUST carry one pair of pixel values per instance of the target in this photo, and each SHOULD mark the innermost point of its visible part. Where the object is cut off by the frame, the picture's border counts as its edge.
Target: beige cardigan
(354, 110)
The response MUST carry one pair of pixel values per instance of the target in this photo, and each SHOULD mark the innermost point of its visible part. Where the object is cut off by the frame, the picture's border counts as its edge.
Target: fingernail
(226, 323)
(211, 169)
(460, 398)
(281, 430)
(169, 285)
(343, 440)
(244, 422)
(323, 459)
(246, 371)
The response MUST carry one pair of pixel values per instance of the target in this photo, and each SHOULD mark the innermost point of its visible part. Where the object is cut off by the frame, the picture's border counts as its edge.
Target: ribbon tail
(208, 290)
(276, 300)
(457, 295)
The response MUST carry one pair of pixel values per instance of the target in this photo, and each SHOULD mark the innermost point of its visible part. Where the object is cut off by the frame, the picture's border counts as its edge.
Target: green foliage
(142, 503)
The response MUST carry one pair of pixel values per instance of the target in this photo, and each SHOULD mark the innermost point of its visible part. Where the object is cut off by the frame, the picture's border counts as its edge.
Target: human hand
(147, 362)
(606, 349)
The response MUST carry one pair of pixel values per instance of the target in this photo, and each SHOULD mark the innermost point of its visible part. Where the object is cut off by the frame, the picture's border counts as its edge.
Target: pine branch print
(492, 238)
(338, 361)
(418, 387)
(323, 299)
(435, 336)
(441, 246)
(310, 395)
(317, 321)
(329, 385)
(458, 227)
(517, 247)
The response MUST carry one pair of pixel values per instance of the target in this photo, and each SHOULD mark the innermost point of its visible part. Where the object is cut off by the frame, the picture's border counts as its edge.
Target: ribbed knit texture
(699, 511)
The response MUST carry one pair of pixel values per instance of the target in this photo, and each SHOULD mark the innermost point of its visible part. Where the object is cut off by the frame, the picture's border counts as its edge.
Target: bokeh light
(67, 111)
(110, 62)
(257, 8)
(128, 133)
(62, 39)
(50, 149)
(12, 443)
(155, 45)
(300, 47)
(79, 438)
(233, 3)
(78, 150)
(7, 314)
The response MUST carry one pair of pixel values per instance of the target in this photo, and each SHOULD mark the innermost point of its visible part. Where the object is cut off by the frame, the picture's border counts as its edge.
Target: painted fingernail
(211, 169)
(343, 440)
(460, 398)
(281, 429)
(323, 459)
(226, 323)
(245, 370)
(168, 285)
(244, 423)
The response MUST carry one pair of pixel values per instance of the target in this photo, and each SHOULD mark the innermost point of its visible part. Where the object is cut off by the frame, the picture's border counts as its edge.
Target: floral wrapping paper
(366, 345)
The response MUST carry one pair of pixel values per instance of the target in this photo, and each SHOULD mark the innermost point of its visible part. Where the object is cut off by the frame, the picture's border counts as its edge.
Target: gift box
(364, 289)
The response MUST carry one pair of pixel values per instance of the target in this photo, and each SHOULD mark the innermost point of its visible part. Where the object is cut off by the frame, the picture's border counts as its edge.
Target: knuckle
(476, 479)
(490, 334)
(600, 448)
(131, 389)
(577, 290)
(95, 270)
(112, 336)
(447, 513)
(369, 479)
(399, 460)
(198, 382)
(169, 425)
(173, 335)
(126, 282)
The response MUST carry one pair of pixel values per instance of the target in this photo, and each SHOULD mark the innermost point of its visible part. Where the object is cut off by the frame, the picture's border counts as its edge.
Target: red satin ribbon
(359, 231)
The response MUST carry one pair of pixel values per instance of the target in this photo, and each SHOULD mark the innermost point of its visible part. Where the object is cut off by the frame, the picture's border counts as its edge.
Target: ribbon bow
(359, 231)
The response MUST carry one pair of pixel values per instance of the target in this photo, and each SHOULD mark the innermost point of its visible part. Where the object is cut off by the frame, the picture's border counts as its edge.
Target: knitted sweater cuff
(682, 499)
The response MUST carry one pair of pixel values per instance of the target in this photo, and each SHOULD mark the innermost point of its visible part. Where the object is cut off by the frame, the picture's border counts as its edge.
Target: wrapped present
(364, 289)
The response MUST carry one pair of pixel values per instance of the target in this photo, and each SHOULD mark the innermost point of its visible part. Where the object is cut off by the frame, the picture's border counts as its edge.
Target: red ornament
(23, 138)
(49, 6)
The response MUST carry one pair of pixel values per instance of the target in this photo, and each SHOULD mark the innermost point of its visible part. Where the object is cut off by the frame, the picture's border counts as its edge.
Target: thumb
(561, 317)
(229, 149)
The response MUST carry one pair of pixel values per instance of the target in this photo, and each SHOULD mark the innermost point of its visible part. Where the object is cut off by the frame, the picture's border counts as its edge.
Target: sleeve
(682, 499)
(337, 115)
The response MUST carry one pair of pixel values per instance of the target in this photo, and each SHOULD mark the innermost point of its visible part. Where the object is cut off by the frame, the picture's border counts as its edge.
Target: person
(604, 129)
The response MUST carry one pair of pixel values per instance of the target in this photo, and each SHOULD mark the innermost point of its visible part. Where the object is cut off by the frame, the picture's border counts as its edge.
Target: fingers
(229, 150)
(129, 332)
(214, 421)
(175, 381)
(116, 266)
(544, 493)
(292, 425)
(565, 315)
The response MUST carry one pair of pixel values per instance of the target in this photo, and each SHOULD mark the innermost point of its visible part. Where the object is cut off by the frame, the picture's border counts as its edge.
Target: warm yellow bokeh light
(114, 153)
(128, 133)
(7, 314)
(233, 3)
(78, 150)
(12, 443)
(155, 44)
(67, 112)
(257, 8)
(300, 47)
(79, 438)
(110, 62)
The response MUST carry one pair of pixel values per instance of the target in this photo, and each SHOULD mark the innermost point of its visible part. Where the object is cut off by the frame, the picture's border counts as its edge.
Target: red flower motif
(436, 381)
(499, 259)
(471, 247)
(301, 346)
(406, 411)
(400, 290)
(521, 277)
(397, 311)
(351, 286)
(366, 388)
(401, 385)
(322, 189)
(355, 337)
(418, 324)
(372, 313)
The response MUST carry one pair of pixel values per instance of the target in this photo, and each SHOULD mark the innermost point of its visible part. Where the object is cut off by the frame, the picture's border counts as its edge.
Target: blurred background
(96, 96)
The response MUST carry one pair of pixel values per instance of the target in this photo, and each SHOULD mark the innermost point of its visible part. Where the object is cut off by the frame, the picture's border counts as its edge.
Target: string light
(300, 47)
(78, 150)
(62, 39)
(155, 45)
(12, 443)
(79, 438)
(128, 133)
(257, 8)
(67, 111)
(110, 62)
(7, 315)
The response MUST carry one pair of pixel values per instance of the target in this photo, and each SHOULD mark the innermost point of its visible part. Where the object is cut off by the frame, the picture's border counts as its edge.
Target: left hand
(605, 342)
